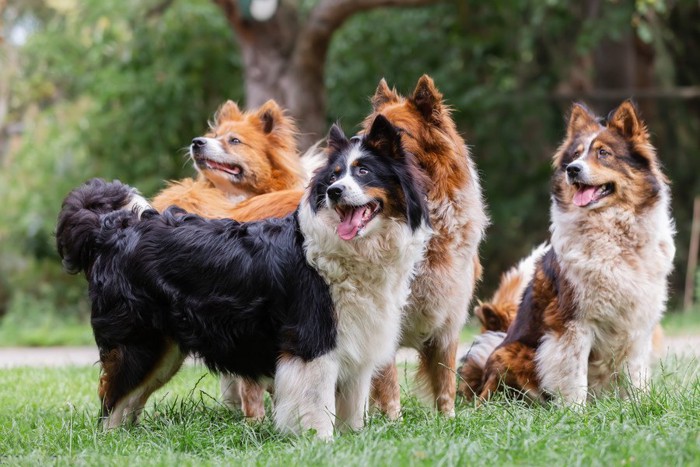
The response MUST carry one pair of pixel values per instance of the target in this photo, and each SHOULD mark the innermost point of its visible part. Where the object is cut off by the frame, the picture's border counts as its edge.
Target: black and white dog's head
(368, 181)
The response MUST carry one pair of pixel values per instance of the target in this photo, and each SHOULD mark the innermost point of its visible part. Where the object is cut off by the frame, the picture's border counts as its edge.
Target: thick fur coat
(314, 298)
(586, 320)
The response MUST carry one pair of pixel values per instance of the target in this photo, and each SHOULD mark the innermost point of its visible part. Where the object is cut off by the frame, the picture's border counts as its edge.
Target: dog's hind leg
(386, 393)
(436, 370)
(230, 390)
(247, 395)
(130, 374)
(252, 395)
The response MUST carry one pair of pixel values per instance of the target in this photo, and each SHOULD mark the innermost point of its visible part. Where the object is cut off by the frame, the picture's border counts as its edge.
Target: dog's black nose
(199, 142)
(335, 192)
(573, 169)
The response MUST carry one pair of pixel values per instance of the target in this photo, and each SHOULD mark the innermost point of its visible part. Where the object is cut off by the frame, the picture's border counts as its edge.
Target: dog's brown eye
(577, 153)
(603, 153)
(234, 141)
(332, 178)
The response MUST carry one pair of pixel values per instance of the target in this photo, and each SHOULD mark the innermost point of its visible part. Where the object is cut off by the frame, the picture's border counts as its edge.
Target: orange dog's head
(249, 153)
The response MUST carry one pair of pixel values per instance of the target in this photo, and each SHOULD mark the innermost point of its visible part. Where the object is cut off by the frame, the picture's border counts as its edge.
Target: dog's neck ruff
(369, 279)
(615, 259)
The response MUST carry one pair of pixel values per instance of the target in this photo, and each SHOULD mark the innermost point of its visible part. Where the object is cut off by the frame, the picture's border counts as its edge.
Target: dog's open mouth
(355, 218)
(231, 169)
(589, 194)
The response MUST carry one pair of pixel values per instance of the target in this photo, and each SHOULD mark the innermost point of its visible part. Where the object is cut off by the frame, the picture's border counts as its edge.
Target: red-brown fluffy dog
(443, 286)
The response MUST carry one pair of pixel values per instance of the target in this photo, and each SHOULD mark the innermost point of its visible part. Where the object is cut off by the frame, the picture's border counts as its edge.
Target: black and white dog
(313, 299)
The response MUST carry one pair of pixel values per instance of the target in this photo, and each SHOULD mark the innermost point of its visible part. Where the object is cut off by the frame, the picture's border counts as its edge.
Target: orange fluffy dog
(244, 154)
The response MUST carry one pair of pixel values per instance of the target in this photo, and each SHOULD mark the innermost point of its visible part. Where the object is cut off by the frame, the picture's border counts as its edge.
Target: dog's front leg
(638, 365)
(562, 364)
(305, 394)
(353, 397)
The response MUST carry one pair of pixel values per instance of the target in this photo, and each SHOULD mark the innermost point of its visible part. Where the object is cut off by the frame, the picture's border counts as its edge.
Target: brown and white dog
(443, 286)
(587, 317)
(497, 313)
(243, 155)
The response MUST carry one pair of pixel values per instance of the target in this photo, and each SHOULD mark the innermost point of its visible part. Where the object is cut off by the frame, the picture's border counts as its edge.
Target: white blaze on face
(584, 195)
(353, 193)
(584, 154)
(212, 150)
(354, 208)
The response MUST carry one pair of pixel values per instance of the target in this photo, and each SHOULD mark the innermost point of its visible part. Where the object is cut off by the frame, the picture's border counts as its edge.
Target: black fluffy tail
(79, 222)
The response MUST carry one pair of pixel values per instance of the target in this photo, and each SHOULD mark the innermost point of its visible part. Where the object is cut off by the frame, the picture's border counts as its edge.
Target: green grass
(682, 324)
(42, 330)
(48, 416)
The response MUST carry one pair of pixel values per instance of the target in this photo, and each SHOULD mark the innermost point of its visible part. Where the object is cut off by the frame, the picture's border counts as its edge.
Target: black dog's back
(238, 295)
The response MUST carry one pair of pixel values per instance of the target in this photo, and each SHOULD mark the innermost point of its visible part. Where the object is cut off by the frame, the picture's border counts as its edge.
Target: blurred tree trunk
(284, 58)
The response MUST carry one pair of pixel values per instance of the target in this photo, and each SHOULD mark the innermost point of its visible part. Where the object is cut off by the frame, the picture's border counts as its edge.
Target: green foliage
(54, 421)
(106, 89)
(151, 81)
(32, 320)
(117, 89)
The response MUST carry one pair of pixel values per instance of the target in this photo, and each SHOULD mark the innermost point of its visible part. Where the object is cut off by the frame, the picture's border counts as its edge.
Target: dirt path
(11, 357)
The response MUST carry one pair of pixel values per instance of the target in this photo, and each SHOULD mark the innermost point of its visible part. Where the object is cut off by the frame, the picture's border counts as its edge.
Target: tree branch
(159, 9)
(328, 15)
(230, 9)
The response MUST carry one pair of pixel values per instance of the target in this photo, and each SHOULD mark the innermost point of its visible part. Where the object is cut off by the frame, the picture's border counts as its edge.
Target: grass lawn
(48, 416)
(41, 330)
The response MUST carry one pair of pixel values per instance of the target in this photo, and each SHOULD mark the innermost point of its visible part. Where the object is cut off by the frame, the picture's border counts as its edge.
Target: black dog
(313, 299)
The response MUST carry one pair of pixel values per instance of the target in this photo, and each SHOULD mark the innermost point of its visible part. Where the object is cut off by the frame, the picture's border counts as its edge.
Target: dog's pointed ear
(383, 95)
(228, 111)
(427, 99)
(580, 118)
(625, 119)
(336, 139)
(271, 116)
(489, 318)
(384, 138)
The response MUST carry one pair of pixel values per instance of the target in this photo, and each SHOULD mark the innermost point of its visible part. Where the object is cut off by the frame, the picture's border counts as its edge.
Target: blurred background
(117, 89)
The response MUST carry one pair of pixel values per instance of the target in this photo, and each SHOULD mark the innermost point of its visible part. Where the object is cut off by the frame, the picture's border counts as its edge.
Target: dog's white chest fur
(369, 279)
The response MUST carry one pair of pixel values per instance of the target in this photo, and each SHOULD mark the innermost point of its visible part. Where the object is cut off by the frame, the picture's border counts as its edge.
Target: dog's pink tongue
(350, 224)
(584, 196)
